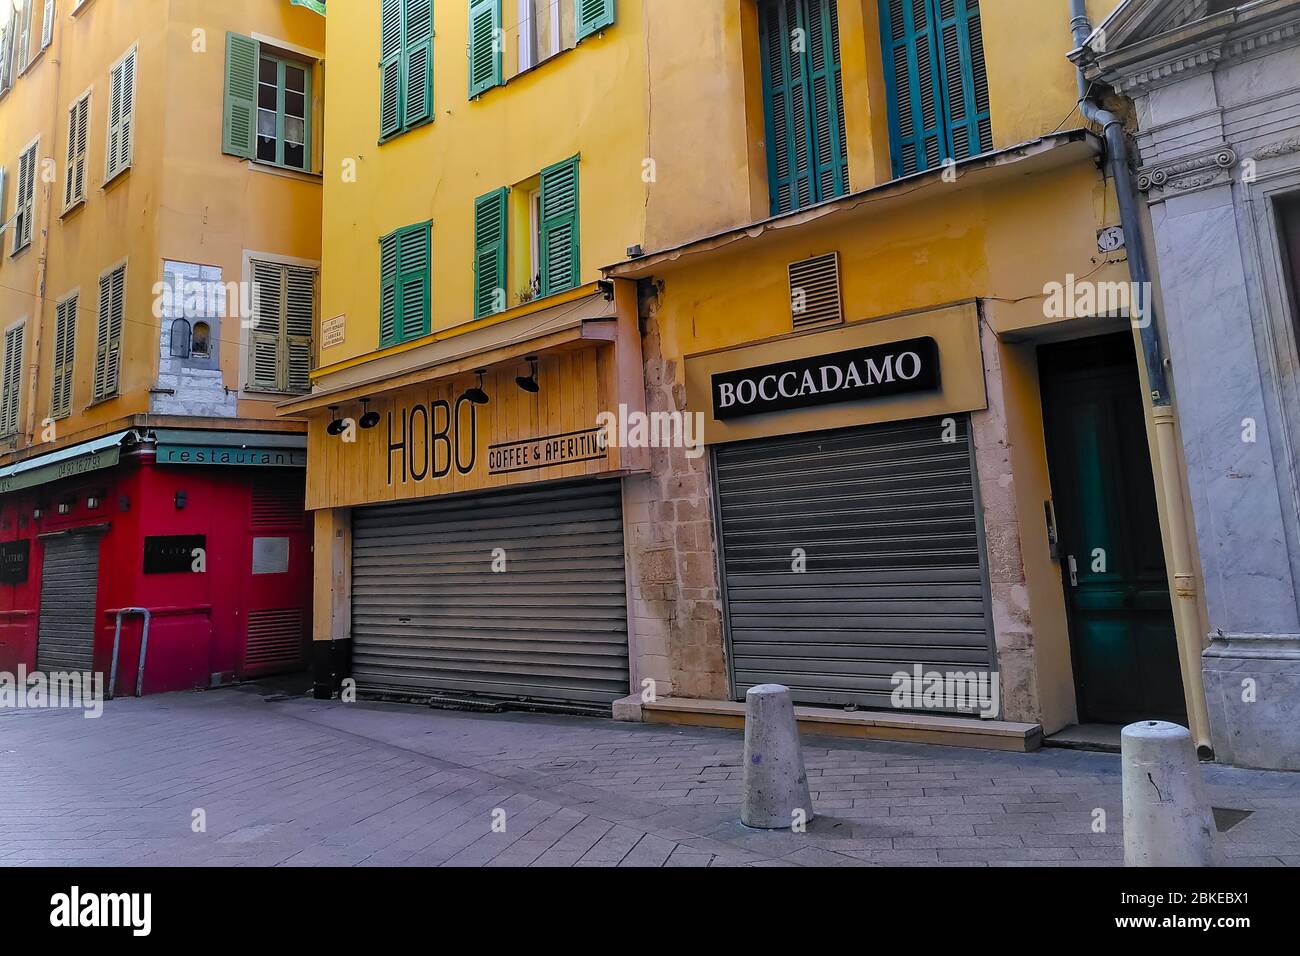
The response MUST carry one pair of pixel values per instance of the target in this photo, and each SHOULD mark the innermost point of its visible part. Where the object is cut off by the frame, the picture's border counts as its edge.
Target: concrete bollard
(776, 785)
(1167, 818)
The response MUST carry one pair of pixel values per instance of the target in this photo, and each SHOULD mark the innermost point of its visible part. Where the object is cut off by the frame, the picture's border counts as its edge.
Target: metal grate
(278, 504)
(815, 292)
(275, 637)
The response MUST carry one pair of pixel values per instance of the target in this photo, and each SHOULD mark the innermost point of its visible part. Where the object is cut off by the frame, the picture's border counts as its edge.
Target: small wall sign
(14, 557)
(173, 553)
(866, 373)
(333, 331)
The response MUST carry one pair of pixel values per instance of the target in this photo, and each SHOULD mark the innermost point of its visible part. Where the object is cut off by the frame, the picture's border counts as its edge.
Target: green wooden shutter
(239, 118)
(489, 250)
(559, 240)
(484, 45)
(388, 289)
(390, 68)
(264, 365)
(65, 327)
(785, 106)
(965, 84)
(299, 313)
(826, 88)
(417, 62)
(413, 282)
(594, 16)
(912, 82)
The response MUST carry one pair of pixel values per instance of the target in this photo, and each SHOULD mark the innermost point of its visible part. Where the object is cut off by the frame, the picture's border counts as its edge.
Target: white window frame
(47, 24)
(535, 241)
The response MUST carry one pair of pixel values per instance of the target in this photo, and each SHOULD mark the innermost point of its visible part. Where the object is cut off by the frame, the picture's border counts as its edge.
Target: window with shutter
(25, 206)
(404, 261)
(594, 16)
(240, 111)
(485, 46)
(807, 152)
(936, 82)
(121, 116)
(559, 239)
(11, 388)
(6, 56)
(490, 253)
(65, 345)
(74, 185)
(280, 340)
(47, 25)
(405, 65)
(108, 333)
(23, 41)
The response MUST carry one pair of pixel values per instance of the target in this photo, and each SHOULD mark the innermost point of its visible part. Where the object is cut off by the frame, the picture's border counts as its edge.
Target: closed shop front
(850, 535)
(515, 594)
(852, 554)
(65, 636)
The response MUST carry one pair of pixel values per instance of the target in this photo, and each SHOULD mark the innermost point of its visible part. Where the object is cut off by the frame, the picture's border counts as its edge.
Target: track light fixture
(529, 382)
(476, 395)
(336, 425)
(369, 419)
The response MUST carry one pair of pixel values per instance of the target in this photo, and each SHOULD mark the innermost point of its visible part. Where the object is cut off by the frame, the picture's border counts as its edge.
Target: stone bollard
(1167, 818)
(775, 783)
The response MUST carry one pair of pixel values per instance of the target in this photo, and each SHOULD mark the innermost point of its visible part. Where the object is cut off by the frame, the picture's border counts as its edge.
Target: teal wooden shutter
(417, 62)
(965, 83)
(239, 118)
(916, 136)
(489, 251)
(594, 16)
(484, 47)
(559, 240)
(390, 68)
(803, 98)
(413, 282)
(388, 289)
(937, 86)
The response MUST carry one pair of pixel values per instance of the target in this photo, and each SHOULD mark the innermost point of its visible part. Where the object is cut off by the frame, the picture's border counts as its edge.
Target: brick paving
(295, 782)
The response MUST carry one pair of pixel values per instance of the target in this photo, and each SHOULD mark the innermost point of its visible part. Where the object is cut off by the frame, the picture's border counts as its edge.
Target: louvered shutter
(65, 327)
(789, 145)
(965, 83)
(912, 82)
(830, 148)
(484, 46)
(299, 311)
(74, 187)
(413, 282)
(559, 239)
(22, 49)
(239, 118)
(264, 337)
(390, 68)
(417, 61)
(4, 57)
(594, 16)
(489, 250)
(112, 306)
(26, 199)
(47, 24)
(121, 109)
(388, 289)
(13, 375)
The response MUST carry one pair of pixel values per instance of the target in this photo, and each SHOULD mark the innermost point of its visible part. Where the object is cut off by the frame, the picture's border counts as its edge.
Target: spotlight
(368, 419)
(336, 425)
(476, 395)
(529, 382)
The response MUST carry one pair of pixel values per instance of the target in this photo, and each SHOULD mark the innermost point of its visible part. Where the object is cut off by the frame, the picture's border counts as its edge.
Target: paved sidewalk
(292, 781)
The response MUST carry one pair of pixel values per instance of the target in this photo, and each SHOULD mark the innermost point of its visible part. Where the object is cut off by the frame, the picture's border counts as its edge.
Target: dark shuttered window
(404, 260)
(937, 85)
(807, 155)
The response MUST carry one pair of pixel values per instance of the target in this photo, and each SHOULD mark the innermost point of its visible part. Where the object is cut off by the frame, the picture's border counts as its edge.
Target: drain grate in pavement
(1225, 818)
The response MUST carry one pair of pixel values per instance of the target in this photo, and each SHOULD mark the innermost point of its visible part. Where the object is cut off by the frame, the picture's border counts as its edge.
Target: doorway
(1122, 639)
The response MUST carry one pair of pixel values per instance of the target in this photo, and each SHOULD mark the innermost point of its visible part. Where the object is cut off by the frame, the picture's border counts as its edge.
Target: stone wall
(195, 385)
(675, 606)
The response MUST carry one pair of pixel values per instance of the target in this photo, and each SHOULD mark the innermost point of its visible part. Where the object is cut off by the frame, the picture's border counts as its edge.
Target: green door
(1112, 565)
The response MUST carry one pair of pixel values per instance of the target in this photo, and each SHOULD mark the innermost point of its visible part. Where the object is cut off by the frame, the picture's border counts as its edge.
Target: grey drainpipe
(1117, 155)
(1188, 624)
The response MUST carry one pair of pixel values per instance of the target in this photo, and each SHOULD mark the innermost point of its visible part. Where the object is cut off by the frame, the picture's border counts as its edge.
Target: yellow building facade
(158, 284)
(671, 225)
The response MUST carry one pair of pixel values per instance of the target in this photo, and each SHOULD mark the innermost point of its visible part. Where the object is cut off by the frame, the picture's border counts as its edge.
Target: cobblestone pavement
(291, 781)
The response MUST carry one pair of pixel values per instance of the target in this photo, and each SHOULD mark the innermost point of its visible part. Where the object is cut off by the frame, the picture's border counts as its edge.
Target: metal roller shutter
(65, 634)
(894, 573)
(430, 617)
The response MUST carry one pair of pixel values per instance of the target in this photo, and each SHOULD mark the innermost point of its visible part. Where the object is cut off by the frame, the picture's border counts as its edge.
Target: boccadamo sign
(432, 440)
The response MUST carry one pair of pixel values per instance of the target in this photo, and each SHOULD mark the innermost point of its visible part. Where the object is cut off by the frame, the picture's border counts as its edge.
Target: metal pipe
(1187, 616)
(144, 646)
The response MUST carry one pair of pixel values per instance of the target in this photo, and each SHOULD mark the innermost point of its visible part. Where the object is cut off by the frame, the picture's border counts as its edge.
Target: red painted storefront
(213, 625)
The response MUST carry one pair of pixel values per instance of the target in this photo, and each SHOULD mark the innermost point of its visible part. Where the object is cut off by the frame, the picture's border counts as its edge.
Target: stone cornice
(1188, 174)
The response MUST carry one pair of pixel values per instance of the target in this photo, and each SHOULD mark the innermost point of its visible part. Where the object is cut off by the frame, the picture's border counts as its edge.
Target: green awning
(65, 463)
